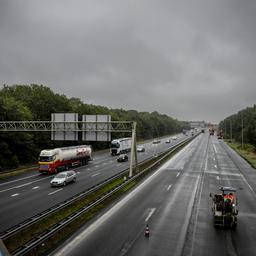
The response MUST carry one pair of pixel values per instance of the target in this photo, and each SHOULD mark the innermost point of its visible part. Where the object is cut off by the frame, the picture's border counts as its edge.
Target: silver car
(63, 178)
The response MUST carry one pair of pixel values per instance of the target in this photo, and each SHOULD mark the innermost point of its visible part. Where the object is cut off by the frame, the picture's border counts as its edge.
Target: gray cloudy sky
(192, 60)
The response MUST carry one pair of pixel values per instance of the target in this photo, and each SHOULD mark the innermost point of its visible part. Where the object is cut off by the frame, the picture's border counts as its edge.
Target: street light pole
(133, 151)
(231, 130)
(242, 131)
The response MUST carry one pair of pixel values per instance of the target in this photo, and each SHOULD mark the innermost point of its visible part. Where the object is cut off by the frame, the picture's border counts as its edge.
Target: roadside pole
(133, 151)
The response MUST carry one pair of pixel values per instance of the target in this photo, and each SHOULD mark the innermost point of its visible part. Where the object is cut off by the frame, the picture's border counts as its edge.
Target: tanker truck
(58, 159)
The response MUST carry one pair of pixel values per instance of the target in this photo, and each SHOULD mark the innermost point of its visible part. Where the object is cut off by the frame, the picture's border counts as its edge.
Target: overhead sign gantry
(93, 128)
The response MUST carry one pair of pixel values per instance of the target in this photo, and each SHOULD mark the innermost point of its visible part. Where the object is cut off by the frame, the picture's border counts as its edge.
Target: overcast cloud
(192, 60)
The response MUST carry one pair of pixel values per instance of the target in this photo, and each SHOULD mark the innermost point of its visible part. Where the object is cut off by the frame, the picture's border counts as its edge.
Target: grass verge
(248, 152)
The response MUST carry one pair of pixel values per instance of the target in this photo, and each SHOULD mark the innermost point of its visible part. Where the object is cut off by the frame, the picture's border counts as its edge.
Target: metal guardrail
(58, 226)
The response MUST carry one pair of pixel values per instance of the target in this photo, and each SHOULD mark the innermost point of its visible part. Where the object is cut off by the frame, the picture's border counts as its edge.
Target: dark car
(122, 158)
(140, 149)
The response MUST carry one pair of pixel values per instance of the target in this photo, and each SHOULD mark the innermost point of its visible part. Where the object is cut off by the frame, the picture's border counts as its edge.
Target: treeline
(37, 102)
(244, 120)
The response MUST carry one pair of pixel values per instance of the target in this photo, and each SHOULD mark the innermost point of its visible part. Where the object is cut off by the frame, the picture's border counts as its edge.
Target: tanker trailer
(58, 159)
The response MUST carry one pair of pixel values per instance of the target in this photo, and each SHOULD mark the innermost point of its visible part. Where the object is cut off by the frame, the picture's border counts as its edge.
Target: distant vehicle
(63, 178)
(140, 149)
(168, 141)
(185, 131)
(202, 130)
(59, 159)
(122, 158)
(147, 232)
(211, 131)
(220, 134)
(156, 141)
(120, 146)
(174, 138)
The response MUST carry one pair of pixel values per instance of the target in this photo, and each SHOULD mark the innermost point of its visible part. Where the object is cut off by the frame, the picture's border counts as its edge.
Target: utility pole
(242, 130)
(133, 150)
(225, 128)
(230, 130)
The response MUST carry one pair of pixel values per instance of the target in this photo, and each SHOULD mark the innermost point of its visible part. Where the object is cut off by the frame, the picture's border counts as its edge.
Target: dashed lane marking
(35, 187)
(15, 195)
(169, 187)
(178, 174)
(152, 210)
(96, 174)
(8, 182)
(23, 185)
(55, 191)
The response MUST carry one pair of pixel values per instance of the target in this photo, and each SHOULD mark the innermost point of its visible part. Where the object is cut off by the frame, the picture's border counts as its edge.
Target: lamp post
(242, 130)
(230, 130)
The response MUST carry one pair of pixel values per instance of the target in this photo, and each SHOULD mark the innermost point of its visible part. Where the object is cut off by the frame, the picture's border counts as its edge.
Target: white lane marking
(105, 163)
(215, 166)
(178, 174)
(22, 185)
(214, 159)
(15, 195)
(223, 173)
(119, 165)
(12, 181)
(169, 187)
(96, 166)
(35, 187)
(77, 172)
(218, 177)
(215, 149)
(88, 169)
(152, 210)
(247, 184)
(55, 191)
(95, 174)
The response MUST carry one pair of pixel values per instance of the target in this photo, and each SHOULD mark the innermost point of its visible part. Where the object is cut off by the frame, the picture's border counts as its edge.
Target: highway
(175, 203)
(23, 196)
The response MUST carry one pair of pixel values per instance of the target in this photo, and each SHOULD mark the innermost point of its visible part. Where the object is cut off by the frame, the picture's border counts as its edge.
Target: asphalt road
(23, 196)
(175, 203)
